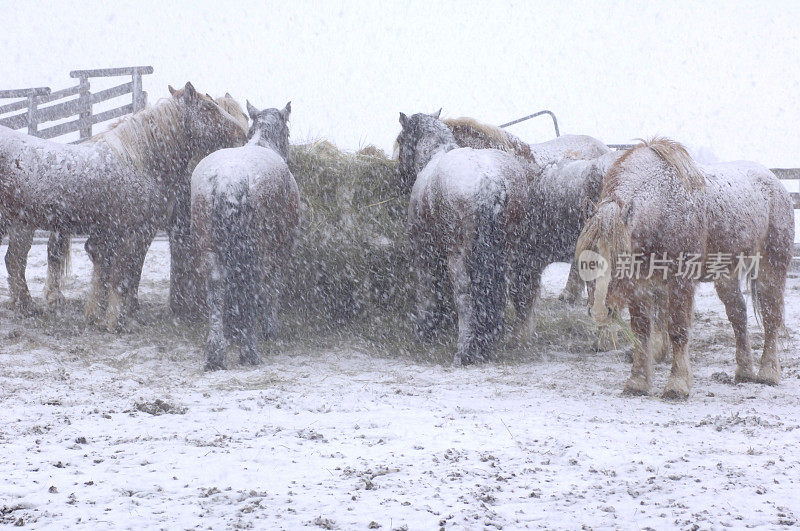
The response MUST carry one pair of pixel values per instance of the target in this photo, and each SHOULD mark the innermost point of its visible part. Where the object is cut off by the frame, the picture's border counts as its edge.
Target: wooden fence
(37, 112)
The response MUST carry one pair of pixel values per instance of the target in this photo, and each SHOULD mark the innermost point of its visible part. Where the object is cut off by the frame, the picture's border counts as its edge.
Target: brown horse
(665, 223)
(245, 213)
(119, 189)
(466, 217)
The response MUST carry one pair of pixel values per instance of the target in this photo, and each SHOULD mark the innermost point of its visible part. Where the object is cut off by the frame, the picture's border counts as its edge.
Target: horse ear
(189, 92)
(228, 95)
(437, 113)
(172, 91)
(252, 111)
(287, 111)
(403, 120)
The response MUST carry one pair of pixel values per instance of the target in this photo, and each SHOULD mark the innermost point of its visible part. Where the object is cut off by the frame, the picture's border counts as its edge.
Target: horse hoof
(29, 309)
(745, 376)
(768, 376)
(250, 359)
(675, 390)
(214, 365)
(568, 298)
(636, 387)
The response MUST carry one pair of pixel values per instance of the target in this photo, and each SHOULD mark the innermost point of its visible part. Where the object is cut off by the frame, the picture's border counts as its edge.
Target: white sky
(720, 76)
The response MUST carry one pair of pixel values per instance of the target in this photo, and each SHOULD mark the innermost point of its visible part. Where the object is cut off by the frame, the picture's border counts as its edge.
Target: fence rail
(35, 114)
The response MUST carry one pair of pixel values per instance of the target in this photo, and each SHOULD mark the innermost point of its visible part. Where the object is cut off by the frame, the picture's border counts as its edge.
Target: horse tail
(231, 239)
(758, 309)
(488, 269)
(3, 227)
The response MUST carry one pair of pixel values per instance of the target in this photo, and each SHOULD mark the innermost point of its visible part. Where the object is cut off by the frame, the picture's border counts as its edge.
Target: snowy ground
(346, 438)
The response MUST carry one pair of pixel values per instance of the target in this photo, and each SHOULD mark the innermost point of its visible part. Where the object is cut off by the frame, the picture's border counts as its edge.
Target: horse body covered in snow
(466, 216)
(245, 213)
(565, 176)
(118, 188)
(688, 223)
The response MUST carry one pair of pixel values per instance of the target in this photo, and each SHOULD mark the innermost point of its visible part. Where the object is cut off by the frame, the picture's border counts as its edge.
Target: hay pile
(351, 262)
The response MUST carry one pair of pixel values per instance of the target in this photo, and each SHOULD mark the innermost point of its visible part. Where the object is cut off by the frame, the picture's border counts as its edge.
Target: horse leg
(428, 305)
(465, 305)
(215, 295)
(640, 381)
(660, 345)
(20, 240)
(770, 286)
(731, 296)
(524, 291)
(574, 287)
(98, 250)
(681, 308)
(122, 257)
(57, 256)
(134, 277)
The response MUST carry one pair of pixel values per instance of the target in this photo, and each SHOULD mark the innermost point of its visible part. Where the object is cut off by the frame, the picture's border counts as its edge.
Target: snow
(227, 168)
(342, 436)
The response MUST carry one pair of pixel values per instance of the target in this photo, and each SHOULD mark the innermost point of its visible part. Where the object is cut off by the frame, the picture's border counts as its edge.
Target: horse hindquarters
(769, 285)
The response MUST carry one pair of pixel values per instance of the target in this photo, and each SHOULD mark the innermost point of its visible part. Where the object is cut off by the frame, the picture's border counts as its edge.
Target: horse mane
(148, 133)
(232, 107)
(671, 152)
(469, 132)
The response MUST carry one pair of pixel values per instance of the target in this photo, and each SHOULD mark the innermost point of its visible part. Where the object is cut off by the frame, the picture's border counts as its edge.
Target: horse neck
(155, 145)
(431, 146)
(279, 147)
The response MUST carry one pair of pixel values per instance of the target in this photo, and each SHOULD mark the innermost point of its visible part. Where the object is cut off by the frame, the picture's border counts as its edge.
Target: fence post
(33, 126)
(139, 101)
(86, 114)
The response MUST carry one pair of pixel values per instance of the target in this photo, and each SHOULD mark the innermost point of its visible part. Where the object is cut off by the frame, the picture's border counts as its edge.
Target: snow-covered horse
(245, 214)
(686, 222)
(565, 176)
(118, 188)
(466, 216)
(58, 245)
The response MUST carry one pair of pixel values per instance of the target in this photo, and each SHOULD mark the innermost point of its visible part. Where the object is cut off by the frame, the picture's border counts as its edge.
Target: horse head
(604, 240)
(208, 127)
(422, 136)
(270, 128)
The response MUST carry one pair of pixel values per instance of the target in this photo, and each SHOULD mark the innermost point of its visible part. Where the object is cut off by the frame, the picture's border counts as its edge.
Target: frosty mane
(469, 132)
(671, 152)
(154, 131)
(232, 107)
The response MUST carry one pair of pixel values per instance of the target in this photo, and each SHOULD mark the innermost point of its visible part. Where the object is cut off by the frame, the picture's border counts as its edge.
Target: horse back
(748, 208)
(454, 185)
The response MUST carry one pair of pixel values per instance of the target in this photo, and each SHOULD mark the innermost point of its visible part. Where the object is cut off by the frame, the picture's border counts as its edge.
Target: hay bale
(351, 260)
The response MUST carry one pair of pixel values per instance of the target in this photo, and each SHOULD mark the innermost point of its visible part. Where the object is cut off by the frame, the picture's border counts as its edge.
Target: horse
(683, 221)
(58, 245)
(565, 176)
(244, 218)
(466, 216)
(118, 188)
